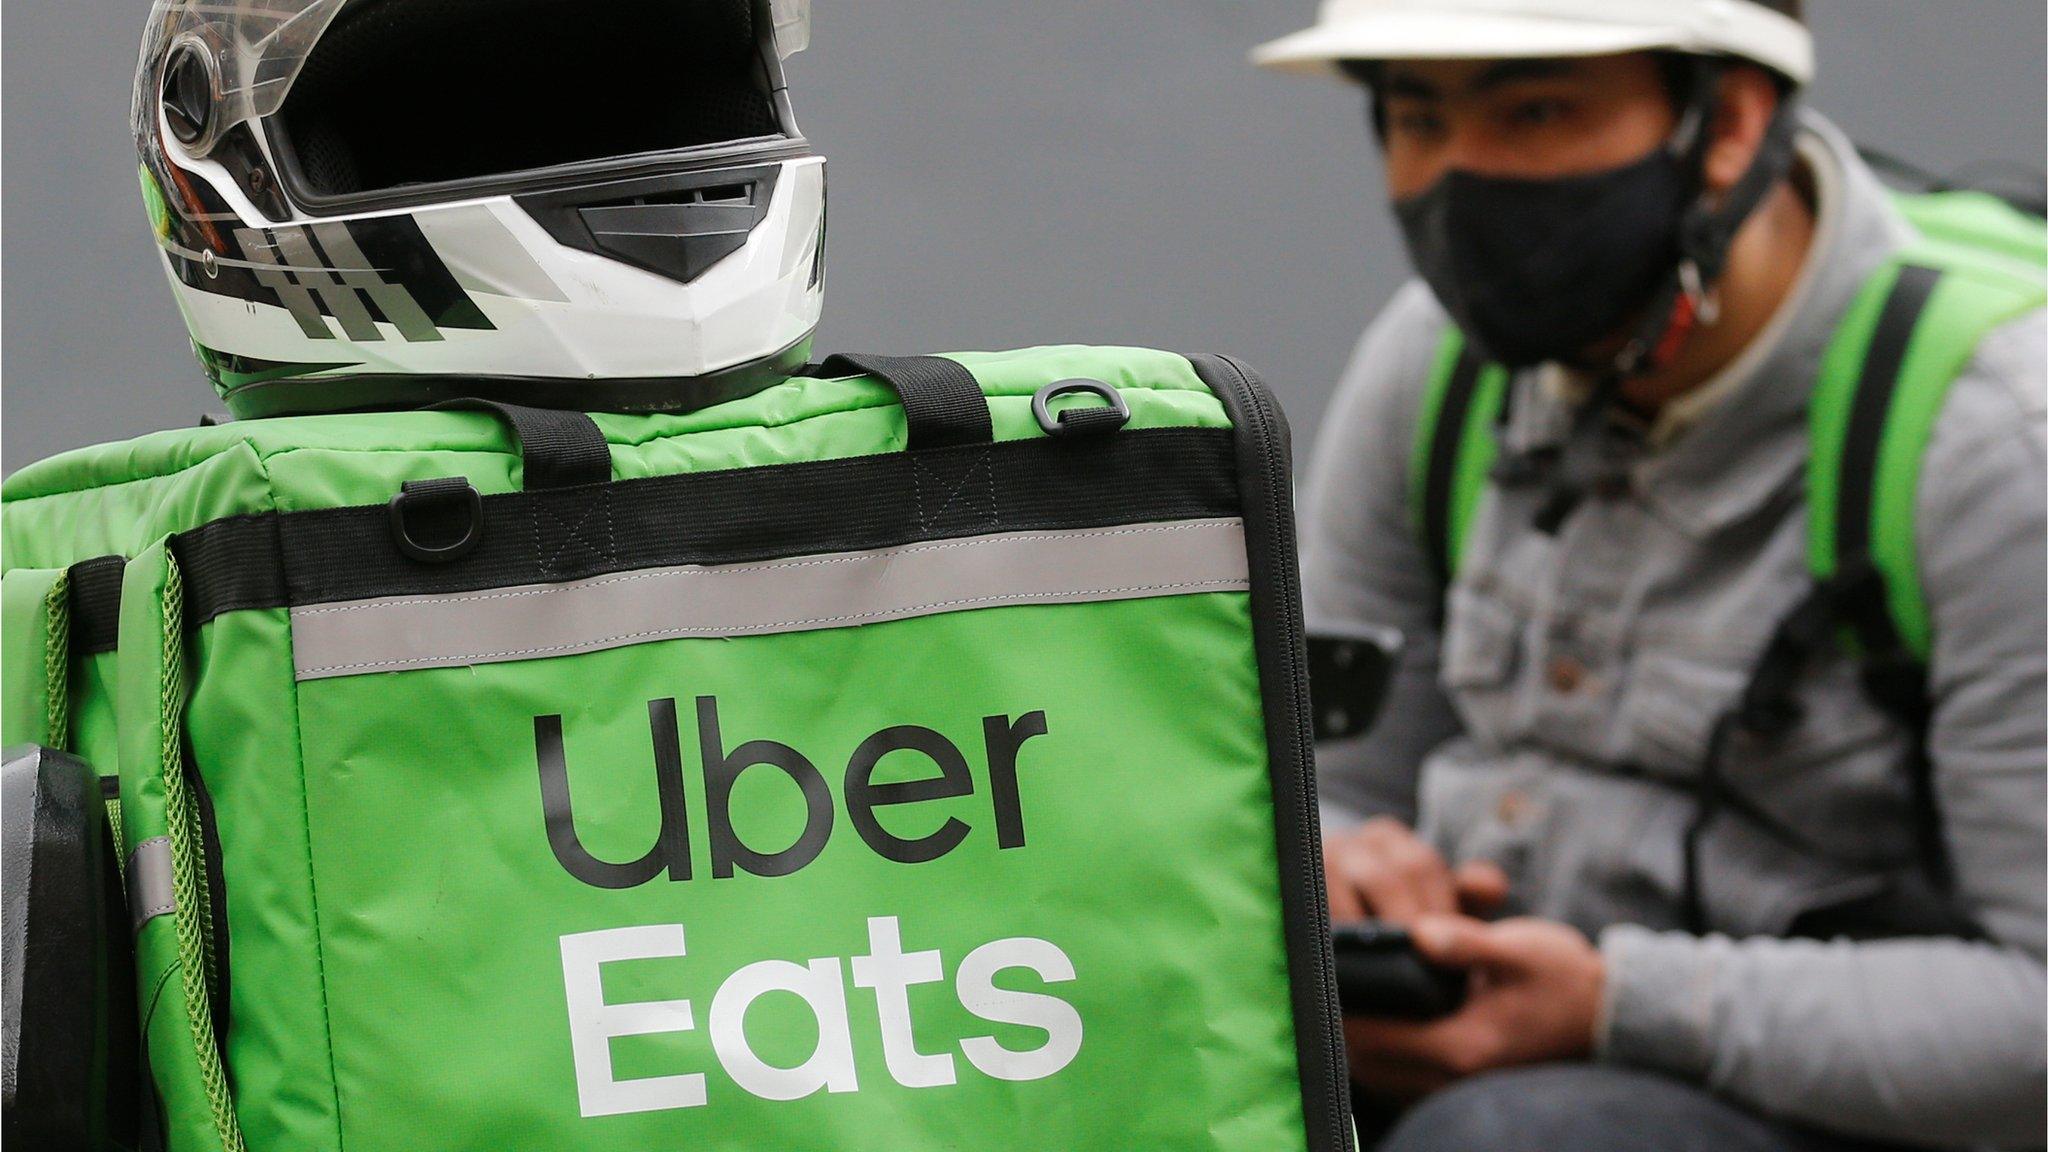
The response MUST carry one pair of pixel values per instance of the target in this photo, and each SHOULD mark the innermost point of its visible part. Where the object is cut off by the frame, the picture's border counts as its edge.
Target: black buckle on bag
(437, 510)
(1080, 421)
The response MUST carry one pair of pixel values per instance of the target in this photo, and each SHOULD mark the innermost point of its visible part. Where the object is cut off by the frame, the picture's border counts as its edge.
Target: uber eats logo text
(886, 969)
(1001, 736)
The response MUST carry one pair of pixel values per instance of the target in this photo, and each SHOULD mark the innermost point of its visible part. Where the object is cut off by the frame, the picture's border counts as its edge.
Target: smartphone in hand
(1380, 974)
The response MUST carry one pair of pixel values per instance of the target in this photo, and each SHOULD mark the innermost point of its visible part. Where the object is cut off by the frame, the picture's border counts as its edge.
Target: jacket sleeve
(1361, 563)
(1935, 1041)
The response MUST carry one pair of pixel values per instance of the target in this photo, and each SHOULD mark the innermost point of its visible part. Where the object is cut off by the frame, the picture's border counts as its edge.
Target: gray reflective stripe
(150, 894)
(798, 594)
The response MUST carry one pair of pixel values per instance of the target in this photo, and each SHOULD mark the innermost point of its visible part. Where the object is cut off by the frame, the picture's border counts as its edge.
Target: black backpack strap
(942, 401)
(1898, 680)
(1440, 469)
(1454, 450)
(1852, 420)
(1849, 588)
(1894, 677)
(441, 520)
(1852, 402)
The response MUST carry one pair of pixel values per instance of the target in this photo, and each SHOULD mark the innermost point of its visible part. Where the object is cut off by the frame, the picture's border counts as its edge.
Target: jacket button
(1511, 809)
(1565, 675)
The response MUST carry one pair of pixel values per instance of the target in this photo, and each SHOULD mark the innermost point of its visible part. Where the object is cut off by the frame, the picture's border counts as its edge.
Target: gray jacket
(1557, 725)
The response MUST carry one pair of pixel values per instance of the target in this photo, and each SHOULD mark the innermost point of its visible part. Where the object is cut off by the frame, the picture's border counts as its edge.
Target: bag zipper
(1252, 407)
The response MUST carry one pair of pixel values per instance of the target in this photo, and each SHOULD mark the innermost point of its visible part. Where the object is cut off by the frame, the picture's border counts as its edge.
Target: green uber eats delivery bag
(912, 757)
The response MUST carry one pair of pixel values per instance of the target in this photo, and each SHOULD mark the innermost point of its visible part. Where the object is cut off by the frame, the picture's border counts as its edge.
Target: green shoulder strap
(1905, 339)
(1454, 451)
(1980, 225)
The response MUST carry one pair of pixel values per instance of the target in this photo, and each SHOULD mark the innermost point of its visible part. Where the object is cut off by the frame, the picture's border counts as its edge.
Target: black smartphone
(1380, 974)
(1349, 669)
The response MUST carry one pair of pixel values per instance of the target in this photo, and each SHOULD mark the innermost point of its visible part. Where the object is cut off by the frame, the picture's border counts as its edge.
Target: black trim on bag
(293, 559)
(230, 565)
(1264, 471)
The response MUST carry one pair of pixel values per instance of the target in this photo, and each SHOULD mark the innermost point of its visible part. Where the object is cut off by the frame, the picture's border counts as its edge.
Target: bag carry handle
(942, 401)
(560, 448)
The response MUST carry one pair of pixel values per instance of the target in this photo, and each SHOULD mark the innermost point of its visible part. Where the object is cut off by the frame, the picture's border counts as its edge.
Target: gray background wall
(1002, 174)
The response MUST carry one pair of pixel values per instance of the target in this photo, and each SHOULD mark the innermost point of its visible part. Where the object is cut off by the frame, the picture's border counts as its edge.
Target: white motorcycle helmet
(368, 204)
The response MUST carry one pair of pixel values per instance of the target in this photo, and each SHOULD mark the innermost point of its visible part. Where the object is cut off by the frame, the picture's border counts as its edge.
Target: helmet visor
(245, 53)
(401, 99)
(432, 92)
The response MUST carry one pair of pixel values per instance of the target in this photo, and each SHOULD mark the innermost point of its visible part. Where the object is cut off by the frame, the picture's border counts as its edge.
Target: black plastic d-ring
(453, 493)
(1080, 421)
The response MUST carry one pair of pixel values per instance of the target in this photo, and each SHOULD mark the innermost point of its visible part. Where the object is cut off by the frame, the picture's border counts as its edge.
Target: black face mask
(1536, 270)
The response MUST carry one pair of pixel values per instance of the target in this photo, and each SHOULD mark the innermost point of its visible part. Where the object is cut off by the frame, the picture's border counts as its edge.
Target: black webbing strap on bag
(558, 449)
(95, 605)
(561, 448)
(941, 399)
(440, 520)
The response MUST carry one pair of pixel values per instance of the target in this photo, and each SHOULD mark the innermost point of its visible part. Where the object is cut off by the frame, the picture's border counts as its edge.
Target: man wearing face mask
(1705, 478)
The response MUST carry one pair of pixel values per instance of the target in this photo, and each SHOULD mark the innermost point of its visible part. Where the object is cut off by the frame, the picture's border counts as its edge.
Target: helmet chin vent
(676, 226)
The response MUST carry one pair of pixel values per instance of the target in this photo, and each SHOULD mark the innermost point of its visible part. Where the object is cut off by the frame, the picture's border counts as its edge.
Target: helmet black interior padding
(410, 92)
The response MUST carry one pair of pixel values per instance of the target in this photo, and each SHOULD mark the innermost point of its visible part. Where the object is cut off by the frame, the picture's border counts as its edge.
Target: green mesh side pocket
(167, 866)
(57, 662)
(35, 648)
(57, 678)
(188, 870)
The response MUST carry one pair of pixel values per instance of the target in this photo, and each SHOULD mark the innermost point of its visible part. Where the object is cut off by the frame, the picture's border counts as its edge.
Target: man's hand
(1536, 988)
(1384, 871)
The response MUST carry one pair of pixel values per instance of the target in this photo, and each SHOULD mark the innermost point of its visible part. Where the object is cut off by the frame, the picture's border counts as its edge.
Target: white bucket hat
(1768, 32)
